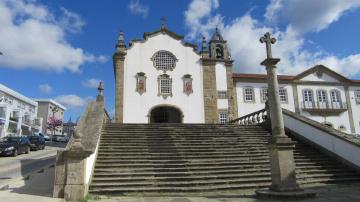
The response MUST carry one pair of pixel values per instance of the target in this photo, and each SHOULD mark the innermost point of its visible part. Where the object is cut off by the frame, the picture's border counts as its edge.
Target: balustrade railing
(254, 118)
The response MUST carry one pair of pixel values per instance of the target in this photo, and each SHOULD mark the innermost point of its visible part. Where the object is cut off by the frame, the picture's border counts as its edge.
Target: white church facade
(161, 79)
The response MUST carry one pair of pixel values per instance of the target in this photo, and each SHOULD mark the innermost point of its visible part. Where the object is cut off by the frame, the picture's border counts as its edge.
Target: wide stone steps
(194, 158)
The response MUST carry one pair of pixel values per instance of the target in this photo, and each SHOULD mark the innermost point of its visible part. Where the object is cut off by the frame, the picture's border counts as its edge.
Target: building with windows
(50, 110)
(17, 113)
(161, 78)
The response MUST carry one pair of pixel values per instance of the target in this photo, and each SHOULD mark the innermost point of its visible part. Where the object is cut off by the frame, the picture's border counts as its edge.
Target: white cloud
(71, 22)
(309, 15)
(138, 8)
(243, 33)
(72, 101)
(199, 19)
(32, 37)
(45, 88)
(91, 83)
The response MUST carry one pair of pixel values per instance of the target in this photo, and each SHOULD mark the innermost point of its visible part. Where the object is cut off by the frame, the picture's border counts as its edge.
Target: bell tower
(218, 47)
(217, 67)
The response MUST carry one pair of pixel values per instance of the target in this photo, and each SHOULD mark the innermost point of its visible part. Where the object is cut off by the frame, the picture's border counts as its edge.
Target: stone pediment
(321, 73)
(163, 30)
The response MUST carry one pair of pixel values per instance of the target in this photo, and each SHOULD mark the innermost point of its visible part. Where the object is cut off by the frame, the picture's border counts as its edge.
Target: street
(20, 166)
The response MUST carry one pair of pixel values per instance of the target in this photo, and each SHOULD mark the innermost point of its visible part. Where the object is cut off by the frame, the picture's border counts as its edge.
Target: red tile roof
(260, 76)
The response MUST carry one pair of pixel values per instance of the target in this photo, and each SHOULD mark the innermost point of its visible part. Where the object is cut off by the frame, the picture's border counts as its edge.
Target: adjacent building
(50, 109)
(69, 127)
(18, 113)
(162, 79)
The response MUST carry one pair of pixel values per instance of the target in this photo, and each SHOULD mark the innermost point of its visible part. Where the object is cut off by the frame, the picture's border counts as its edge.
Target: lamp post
(283, 177)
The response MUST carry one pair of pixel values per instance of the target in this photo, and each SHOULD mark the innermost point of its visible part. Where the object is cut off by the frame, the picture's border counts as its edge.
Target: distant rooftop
(50, 101)
(17, 95)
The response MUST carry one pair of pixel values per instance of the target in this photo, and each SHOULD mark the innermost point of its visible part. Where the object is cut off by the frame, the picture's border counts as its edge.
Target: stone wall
(210, 93)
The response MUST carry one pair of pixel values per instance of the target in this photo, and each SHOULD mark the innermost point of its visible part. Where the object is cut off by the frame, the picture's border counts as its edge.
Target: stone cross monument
(283, 176)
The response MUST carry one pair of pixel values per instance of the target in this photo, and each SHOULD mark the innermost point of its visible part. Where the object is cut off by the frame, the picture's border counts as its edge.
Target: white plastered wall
(137, 107)
(245, 108)
(221, 84)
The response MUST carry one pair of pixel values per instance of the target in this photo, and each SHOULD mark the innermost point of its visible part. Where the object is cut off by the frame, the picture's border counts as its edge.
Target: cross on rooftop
(268, 41)
(163, 22)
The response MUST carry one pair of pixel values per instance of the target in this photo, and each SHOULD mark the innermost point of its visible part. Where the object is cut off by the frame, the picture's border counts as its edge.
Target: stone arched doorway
(165, 114)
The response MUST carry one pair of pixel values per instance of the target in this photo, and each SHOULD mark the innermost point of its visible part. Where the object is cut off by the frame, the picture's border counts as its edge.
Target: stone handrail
(345, 147)
(74, 165)
(254, 118)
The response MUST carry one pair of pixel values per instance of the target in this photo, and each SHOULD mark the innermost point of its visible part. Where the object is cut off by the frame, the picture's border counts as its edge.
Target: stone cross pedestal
(283, 177)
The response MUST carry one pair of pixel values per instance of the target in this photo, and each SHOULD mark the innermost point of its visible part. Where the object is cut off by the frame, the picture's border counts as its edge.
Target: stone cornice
(211, 61)
(119, 55)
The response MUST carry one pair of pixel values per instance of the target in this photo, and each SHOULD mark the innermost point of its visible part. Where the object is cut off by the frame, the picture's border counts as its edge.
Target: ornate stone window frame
(253, 94)
(161, 78)
(140, 76)
(171, 68)
(187, 79)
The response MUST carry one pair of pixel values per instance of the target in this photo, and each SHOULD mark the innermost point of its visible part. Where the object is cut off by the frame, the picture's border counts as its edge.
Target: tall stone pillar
(119, 65)
(282, 164)
(231, 91)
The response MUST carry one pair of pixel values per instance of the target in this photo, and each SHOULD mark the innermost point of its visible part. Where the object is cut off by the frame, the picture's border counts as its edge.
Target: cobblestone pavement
(38, 188)
(325, 193)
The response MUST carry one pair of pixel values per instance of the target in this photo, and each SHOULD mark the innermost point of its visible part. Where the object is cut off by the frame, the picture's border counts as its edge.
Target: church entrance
(165, 114)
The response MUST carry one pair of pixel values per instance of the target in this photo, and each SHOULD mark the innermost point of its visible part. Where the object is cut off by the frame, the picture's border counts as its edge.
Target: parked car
(45, 136)
(36, 142)
(14, 145)
(60, 138)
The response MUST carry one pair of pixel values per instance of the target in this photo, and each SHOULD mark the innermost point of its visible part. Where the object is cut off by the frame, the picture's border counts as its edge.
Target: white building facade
(50, 109)
(161, 79)
(318, 93)
(18, 113)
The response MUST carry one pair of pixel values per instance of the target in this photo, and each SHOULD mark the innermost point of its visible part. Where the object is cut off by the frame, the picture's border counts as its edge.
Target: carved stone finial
(121, 40)
(268, 41)
(203, 44)
(101, 88)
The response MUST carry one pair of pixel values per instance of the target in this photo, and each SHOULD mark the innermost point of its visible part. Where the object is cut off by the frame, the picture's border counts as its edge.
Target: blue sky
(60, 49)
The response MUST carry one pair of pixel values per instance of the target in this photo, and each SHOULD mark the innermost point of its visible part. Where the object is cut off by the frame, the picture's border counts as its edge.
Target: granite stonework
(231, 91)
(282, 163)
(70, 164)
(210, 93)
(118, 60)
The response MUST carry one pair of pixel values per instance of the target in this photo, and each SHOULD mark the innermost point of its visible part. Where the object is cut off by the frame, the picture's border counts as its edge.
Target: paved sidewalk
(37, 187)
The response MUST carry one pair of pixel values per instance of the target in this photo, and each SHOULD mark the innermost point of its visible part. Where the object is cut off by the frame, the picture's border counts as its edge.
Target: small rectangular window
(165, 86)
(283, 95)
(249, 94)
(222, 95)
(223, 117)
(357, 96)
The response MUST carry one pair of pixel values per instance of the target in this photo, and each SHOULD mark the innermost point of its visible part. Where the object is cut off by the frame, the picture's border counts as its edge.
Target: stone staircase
(198, 158)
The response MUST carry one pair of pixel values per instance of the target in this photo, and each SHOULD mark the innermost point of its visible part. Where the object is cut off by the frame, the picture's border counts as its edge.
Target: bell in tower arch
(219, 51)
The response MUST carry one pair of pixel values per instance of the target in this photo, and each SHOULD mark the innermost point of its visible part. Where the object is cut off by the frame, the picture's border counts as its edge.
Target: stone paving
(38, 188)
(325, 193)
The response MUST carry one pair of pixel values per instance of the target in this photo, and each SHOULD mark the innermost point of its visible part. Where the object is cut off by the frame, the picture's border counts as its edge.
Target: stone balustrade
(254, 118)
